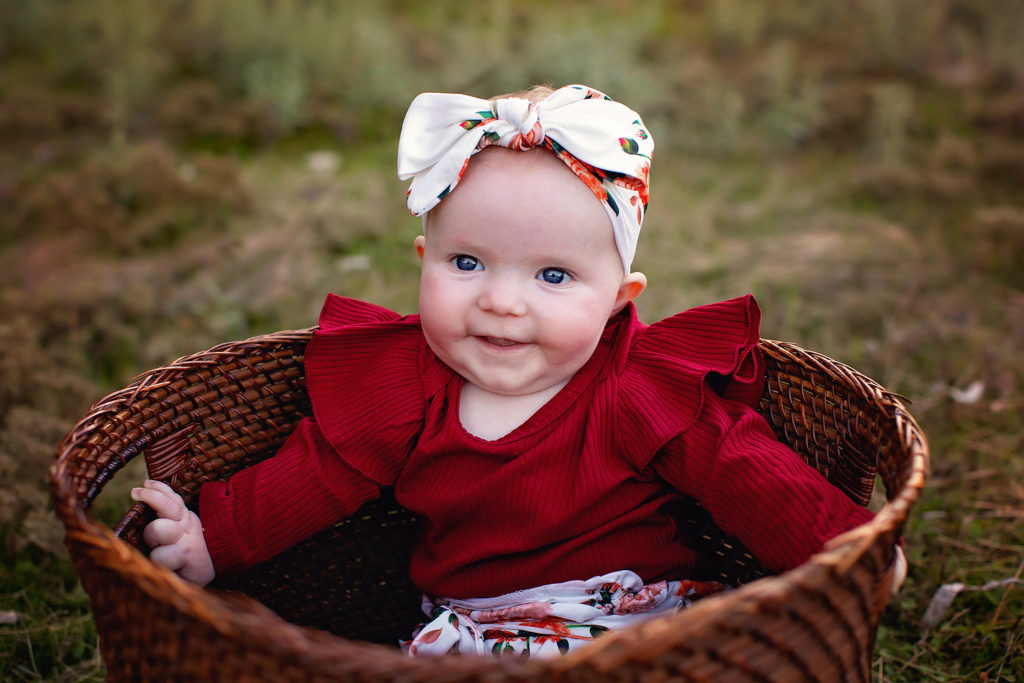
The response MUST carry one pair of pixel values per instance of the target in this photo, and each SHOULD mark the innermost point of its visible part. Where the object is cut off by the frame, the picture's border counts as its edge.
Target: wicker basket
(293, 618)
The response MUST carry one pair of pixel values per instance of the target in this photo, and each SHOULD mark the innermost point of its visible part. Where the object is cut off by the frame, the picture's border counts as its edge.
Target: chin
(503, 389)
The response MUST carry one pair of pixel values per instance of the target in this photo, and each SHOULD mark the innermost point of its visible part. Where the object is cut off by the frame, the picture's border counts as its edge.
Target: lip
(500, 343)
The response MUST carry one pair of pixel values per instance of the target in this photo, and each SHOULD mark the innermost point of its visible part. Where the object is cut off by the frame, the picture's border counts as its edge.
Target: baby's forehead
(530, 194)
(534, 176)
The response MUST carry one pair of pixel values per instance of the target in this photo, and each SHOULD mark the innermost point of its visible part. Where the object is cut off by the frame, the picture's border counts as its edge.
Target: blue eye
(463, 262)
(554, 276)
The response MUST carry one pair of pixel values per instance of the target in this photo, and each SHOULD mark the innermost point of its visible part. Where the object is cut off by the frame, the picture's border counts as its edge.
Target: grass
(861, 179)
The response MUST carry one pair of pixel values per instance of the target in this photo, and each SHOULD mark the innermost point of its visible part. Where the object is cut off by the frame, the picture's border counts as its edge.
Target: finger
(160, 486)
(166, 505)
(160, 503)
(162, 532)
(178, 509)
(168, 556)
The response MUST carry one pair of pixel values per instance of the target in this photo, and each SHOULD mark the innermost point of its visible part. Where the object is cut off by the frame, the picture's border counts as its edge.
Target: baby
(535, 426)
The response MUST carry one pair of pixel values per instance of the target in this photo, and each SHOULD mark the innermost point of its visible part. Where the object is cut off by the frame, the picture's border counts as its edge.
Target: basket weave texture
(320, 610)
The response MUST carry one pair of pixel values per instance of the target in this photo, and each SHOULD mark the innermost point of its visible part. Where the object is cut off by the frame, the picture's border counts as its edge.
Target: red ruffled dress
(576, 491)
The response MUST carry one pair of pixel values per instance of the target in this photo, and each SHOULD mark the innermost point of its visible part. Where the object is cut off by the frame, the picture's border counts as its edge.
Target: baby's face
(520, 274)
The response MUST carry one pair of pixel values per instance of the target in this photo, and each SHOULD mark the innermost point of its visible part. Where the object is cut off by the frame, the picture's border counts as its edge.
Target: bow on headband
(602, 141)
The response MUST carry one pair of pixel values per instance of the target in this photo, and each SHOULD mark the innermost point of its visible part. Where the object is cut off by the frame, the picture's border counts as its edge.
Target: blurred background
(176, 174)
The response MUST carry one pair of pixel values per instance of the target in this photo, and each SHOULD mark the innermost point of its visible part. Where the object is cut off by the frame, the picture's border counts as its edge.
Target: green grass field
(174, 175)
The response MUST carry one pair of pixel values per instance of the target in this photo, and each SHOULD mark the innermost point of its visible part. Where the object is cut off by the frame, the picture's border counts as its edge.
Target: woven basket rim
(235, 616)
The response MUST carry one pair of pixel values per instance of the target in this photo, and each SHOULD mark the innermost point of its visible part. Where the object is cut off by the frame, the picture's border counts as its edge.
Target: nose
(503, 295)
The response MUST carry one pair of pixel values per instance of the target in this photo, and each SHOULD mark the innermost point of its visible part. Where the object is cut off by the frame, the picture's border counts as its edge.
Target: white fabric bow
(604, 143)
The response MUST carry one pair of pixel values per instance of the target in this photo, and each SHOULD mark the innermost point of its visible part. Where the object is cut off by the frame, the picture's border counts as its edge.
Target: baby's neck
(490, 416)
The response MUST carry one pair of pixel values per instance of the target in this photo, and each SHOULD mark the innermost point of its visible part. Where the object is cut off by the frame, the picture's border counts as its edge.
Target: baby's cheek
(577, 335)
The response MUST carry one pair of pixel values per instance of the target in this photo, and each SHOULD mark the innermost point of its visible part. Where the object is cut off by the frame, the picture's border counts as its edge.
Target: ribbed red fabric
(576, 491)
(268, 508)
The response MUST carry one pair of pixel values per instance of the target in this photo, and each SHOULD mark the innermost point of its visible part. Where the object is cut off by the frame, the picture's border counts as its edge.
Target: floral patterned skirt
(549, 620)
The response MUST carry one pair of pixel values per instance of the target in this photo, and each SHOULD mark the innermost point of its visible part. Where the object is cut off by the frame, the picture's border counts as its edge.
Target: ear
(631, 287)
(420, 243)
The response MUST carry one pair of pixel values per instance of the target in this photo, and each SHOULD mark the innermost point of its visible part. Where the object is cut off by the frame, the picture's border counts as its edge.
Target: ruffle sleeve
(673, 363)
(364, 381)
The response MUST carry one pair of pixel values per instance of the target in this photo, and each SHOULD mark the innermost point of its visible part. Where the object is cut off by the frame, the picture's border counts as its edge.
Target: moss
(144, 199)
(863, 179)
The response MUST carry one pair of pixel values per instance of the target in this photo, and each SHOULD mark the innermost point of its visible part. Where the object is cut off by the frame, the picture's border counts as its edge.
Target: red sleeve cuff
(222, 539)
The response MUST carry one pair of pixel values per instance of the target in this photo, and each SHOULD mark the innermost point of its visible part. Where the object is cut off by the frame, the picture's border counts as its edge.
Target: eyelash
(463, 258)
(460, 260)
(565, 277)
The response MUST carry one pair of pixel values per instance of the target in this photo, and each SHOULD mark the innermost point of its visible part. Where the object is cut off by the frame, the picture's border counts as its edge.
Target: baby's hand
(177, 536)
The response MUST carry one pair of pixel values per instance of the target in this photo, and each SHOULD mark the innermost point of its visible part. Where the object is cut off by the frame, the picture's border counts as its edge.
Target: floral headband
(602, 141)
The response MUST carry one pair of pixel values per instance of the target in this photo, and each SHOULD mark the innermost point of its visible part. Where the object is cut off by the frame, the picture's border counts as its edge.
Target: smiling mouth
(500, 341)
